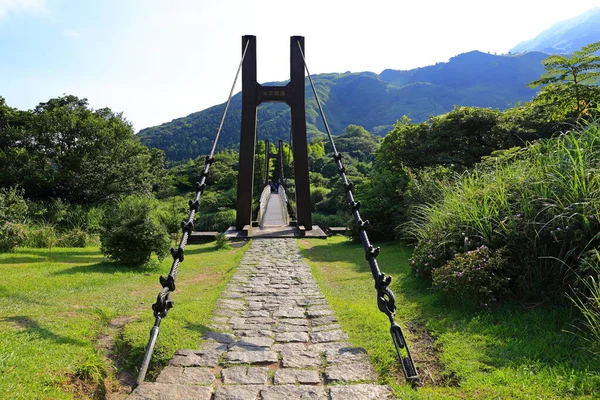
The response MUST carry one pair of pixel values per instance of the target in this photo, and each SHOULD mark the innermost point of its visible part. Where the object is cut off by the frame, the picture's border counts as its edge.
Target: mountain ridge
(374, 101)
(565, 37)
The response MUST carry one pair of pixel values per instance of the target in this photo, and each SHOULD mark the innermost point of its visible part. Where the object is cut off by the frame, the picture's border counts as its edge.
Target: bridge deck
(274, 212)
(273, 224)
(273, 337)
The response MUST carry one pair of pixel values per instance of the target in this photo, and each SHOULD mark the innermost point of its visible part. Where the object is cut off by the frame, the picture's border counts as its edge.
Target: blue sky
(156, 60)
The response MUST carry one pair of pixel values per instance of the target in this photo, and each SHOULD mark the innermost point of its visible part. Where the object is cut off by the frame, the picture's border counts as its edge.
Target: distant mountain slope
(373, 101)
(567, 36)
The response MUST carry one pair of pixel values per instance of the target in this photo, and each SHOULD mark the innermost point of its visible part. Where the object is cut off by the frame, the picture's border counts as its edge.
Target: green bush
(13, 208)
(13, 213)
(41, 236)
(75, 237)
(94, 219)
(132, 232)
(540, 204)
(317, 195)
(479, 275)
(12, 235)
(172, 211)
(328, 221)
(221, 241)
(219, 221)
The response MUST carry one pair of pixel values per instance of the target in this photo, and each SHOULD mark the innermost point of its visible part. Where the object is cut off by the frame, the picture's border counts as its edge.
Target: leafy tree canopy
(65, 149)
(355, 141)
(570, 83)
(459, 138)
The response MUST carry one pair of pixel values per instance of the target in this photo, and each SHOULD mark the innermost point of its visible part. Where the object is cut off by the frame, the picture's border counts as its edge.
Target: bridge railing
(262, 203)
(284, 205)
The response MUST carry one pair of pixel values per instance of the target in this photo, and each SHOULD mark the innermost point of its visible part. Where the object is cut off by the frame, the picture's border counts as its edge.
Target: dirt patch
(426, 357)
(306, 244)
(123, 381)
(84, 388)
(210, 278)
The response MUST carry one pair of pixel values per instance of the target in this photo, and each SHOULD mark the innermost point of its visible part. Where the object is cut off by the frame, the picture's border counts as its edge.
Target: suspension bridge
(273, 334)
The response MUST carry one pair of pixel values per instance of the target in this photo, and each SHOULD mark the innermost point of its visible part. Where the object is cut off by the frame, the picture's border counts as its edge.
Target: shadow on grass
(200, 328)
(31, 256)
(23, 260)
(510, 335)
(105, 267)
(193, 249)
(109, 267)
(4, 292)
(32, 328)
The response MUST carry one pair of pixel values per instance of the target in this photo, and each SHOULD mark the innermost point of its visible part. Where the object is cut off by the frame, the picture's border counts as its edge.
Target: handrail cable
(163, 300)
(385, 297)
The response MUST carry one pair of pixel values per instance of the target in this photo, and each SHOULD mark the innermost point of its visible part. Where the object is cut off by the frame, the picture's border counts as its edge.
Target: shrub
(479, 275)
(425, 185)
(328, 221)
(41, 236)
(317, 195)
(131, 232)
(172, 212)
(541, 204)
(221, 241)
(75, 237)
(13, 212)
(94, 219)
(13, 208)
(12, 235)
(219, 221)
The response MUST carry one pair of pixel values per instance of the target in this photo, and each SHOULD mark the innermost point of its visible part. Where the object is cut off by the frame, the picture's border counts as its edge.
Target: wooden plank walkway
(273, 337)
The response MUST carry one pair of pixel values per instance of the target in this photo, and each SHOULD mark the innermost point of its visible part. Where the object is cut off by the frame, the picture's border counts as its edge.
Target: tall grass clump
(586, 298)
(539, 207)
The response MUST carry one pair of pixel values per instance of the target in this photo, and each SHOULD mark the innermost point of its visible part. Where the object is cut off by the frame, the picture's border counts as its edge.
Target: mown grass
(55, 308)
(510, 352)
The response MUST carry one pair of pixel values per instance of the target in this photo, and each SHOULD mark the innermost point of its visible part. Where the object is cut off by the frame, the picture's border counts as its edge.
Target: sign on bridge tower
(253, 94)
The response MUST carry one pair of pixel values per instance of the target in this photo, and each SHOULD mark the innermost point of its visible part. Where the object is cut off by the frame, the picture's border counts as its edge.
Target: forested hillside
(373, 101)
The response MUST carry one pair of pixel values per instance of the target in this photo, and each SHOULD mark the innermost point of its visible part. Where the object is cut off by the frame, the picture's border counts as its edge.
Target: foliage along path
(285, 341)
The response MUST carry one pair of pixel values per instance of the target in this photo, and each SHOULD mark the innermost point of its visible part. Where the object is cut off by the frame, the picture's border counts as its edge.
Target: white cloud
(15, 6)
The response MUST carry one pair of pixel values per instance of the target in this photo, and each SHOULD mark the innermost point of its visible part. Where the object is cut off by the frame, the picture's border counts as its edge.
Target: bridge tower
(253, 94)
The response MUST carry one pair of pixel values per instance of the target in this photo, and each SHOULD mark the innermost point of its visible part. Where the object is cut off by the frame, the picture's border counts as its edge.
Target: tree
(357, 142)
(65, 149)
(570, 83)
(460, 138)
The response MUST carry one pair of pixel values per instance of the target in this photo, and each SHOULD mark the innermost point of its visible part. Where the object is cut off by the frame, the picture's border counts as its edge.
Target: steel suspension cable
(386, 301)
(163, 301)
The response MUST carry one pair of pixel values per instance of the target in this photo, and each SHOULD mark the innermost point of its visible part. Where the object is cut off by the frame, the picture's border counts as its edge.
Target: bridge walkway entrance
(273, 336)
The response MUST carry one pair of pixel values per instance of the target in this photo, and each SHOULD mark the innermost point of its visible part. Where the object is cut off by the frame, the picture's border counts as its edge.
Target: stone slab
(350, 373)
(292, 376)
(245, 375)
(293, 392)
(360, 392)
(163, 391)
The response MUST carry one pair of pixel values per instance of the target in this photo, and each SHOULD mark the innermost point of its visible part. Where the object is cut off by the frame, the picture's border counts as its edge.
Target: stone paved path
(274, 337)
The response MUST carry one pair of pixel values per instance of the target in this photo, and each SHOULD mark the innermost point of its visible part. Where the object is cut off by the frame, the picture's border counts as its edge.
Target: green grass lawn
(513, 352)
(61, 312)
